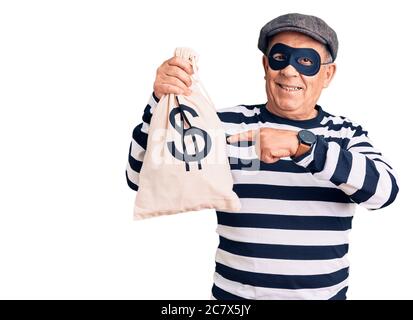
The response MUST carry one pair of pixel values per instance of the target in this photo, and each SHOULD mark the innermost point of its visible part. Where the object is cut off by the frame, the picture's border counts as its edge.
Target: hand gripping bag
(185, 167)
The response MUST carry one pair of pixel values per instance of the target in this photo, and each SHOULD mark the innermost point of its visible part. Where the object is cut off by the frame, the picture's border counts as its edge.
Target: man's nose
(289, 71)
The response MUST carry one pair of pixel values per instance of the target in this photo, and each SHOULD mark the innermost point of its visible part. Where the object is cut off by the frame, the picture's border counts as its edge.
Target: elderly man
(290, 239)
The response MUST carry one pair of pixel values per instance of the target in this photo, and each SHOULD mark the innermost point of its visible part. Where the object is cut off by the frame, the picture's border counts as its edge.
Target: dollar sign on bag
(190, 131)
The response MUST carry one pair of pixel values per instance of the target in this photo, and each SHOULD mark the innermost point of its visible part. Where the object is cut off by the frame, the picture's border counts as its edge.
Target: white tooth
(289, 88)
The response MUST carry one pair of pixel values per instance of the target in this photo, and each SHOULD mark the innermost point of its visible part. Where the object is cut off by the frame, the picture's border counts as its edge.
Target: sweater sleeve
(359, 169)
(138, 144)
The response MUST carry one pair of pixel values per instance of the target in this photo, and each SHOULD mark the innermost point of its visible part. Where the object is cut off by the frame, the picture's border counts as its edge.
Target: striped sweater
(290, 239)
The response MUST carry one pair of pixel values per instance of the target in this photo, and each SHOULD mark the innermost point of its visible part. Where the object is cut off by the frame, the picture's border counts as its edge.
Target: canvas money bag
(185, 167)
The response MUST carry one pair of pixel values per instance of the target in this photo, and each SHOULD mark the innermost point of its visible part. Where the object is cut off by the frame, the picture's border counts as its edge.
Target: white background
(74, 79)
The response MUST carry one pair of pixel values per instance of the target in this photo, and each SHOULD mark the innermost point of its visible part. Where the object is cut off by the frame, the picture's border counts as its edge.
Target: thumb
(243, 136)
(281, 153)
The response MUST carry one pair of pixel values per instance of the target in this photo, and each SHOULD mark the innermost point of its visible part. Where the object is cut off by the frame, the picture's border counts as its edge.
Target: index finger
(243, 136)
(181, 63)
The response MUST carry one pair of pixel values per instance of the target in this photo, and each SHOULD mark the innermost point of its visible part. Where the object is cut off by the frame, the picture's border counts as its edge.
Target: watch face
(307, 137)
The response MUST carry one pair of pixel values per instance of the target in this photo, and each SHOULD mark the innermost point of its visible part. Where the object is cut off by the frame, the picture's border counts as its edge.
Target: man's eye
(279, 57)
(305, 61)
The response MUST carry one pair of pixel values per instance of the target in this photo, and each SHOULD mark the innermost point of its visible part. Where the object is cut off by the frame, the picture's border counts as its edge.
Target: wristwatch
(306, 139)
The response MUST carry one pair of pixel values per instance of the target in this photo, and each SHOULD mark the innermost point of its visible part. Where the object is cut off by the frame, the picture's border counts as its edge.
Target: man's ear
(265, 65)
(330, 72)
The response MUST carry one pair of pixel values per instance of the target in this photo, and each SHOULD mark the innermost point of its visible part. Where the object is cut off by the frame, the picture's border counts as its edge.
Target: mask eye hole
(279, 57)
(305, 61)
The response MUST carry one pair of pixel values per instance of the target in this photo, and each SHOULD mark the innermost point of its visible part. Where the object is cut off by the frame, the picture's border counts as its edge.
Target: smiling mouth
(289, 88)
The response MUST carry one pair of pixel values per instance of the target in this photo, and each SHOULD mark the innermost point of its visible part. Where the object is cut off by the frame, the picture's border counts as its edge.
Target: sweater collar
(268, 116)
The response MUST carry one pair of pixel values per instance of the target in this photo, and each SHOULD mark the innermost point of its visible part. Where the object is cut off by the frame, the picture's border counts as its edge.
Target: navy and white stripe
(138, 145)
(290, 239)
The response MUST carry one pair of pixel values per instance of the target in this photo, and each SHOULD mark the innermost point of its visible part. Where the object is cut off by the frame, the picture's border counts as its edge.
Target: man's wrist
(302, 148)
(295, 143)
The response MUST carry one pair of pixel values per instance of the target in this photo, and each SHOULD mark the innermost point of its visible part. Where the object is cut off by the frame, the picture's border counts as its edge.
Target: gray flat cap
(311, 26)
